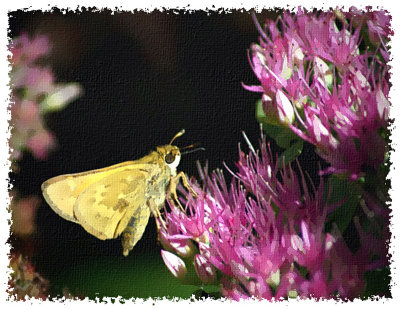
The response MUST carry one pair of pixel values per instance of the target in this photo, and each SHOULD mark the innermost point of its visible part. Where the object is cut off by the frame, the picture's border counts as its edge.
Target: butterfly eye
(169, 158)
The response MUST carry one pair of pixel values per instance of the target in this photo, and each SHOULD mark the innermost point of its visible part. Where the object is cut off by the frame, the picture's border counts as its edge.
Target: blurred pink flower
(34, 80)
(34, 93)
(24, 215)
(26, 50)
(26, 112)
(41, 143)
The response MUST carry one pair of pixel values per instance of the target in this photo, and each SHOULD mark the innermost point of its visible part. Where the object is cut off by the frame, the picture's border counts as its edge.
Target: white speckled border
(226, 5)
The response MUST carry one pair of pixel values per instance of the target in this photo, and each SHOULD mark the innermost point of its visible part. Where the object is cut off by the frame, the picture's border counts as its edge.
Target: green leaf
(285, 137)
(260, 115)
(208, 291)
(378, 283)
(347, 191)
(140, 276)
(212, 288)
(270, 118)
(290, 154)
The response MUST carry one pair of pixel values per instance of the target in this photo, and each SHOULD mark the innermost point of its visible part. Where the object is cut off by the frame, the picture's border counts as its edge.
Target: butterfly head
(172, 154)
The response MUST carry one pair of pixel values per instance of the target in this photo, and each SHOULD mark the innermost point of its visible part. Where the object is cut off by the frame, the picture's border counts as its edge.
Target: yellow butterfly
(119, 199)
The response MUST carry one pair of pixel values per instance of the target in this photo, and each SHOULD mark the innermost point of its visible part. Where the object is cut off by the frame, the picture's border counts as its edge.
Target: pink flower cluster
(262, 236)
(34, 93)
(378, 24)
(316, 80)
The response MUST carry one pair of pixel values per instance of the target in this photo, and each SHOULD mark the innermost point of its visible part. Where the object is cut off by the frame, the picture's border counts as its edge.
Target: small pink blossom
(35, 80)
(378, 23)
(204, 269)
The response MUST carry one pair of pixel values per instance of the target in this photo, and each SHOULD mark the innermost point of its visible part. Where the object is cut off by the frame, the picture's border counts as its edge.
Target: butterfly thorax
(167, 159)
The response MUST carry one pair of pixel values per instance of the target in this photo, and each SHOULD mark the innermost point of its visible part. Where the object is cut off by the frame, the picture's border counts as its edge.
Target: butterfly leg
(156, 213)
(172, 191)
(185, 182)
(161, 219)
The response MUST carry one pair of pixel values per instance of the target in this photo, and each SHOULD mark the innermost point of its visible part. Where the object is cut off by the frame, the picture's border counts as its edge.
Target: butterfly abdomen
(135, 229)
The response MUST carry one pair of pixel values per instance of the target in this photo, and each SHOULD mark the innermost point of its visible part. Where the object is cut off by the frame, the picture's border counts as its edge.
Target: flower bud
(382, 104)
(174, 264)
(182, 246)
(285, 108)
(297, 243)
(329, 242)
(323, 72)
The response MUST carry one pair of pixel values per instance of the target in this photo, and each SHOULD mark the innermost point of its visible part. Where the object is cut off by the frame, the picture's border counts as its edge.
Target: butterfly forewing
(61, 192)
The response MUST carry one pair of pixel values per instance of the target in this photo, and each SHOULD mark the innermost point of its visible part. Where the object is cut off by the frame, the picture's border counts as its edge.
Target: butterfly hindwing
(106, 206)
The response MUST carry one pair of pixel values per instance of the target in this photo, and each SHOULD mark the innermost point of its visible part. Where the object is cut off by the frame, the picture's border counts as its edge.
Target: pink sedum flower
(263, 236)
(26, 113)
(34, 93)
(315, 80)
(378, 23)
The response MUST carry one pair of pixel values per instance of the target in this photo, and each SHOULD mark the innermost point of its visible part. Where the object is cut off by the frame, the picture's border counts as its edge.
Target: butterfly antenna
(195, 146)
(180, 133)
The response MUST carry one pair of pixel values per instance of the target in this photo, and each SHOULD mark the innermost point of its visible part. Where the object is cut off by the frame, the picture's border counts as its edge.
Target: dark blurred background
(144, 77)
